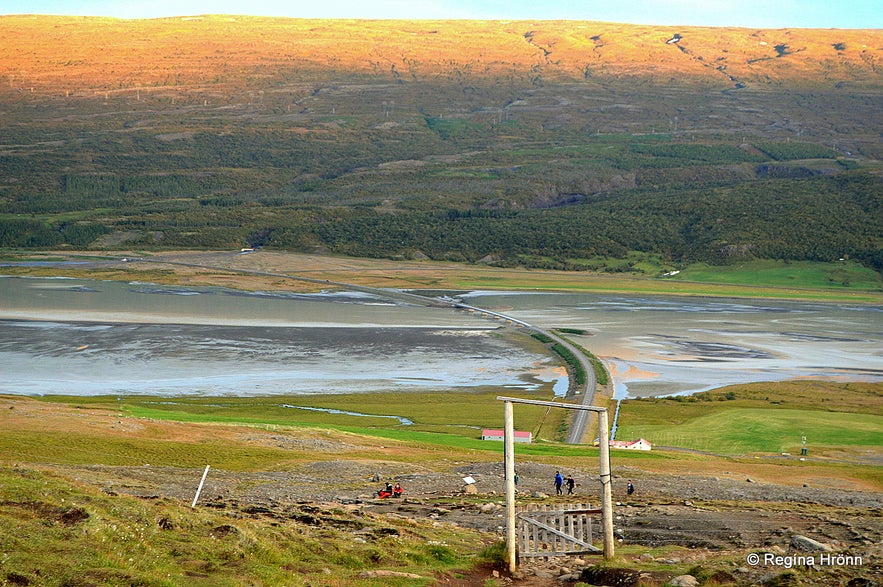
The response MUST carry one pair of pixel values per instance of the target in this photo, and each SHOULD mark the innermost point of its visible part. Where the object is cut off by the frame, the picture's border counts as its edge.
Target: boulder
(683, 581)
(804, 544)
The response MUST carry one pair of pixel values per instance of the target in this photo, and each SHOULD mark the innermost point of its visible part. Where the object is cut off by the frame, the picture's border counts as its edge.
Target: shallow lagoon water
(83, 337)
(676, 345)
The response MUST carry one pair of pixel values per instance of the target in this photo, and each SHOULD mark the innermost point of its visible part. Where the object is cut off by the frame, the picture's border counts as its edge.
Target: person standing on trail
(630, 489)
(559, 482)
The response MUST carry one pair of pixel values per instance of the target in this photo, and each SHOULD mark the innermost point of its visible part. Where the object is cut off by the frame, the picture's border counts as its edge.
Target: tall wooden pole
(606, 484)
(509, 450)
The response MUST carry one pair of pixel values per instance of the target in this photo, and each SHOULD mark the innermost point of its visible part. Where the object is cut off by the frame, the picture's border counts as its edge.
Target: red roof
(629, 442)
(519, 433)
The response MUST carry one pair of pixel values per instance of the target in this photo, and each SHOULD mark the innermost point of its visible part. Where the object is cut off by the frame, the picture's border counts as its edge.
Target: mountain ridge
(107, 52)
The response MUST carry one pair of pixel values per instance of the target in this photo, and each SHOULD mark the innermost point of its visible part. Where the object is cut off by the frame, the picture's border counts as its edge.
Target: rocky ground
(712, 518)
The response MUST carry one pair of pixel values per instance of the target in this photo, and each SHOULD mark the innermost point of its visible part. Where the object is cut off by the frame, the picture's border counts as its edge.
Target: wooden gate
(543, 531)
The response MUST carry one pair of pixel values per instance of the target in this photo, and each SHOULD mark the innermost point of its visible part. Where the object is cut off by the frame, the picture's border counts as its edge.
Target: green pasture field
(596, 283)
(449, 433)
(81, 447)
(761, 430)
(736, 424)
(455, 417)
(825, 282)
(838, 419)
(838, 281)
(798, 274)
(462, 414)
(762, 418)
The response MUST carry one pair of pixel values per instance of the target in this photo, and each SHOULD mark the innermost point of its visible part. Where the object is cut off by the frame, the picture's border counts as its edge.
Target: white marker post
(199, 489)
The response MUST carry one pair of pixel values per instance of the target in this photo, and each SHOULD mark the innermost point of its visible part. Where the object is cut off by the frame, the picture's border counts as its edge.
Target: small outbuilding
(639, 444)
(518, 435)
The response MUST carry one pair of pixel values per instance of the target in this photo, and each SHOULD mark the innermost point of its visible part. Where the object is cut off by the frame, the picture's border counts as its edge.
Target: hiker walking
(630, 489)
(559, 483)
(570, 484)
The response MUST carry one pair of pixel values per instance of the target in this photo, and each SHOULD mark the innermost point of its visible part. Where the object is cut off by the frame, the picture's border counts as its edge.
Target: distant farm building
(639, 444)
(518, 435)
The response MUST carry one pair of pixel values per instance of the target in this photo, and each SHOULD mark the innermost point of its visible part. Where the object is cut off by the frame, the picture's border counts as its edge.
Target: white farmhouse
(639, 444)
(518, 435)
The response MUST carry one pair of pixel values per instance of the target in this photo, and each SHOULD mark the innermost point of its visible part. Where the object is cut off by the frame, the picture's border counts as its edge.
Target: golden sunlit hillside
(74, 54)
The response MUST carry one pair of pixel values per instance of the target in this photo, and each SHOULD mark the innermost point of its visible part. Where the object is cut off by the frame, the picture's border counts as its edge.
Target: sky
(740, 13)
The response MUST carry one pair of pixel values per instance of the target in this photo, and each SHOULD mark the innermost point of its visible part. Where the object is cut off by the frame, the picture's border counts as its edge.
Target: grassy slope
(56, 532)
(839, 420)
(759, 430)
(62, 530)
(802, 275)
(763, 419)
(58, 528)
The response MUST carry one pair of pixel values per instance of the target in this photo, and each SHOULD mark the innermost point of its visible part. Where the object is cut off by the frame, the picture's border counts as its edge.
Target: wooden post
(606, 484)
(509, 456)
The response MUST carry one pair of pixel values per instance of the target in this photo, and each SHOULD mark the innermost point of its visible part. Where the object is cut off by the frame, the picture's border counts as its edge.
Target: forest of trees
(820, 218)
